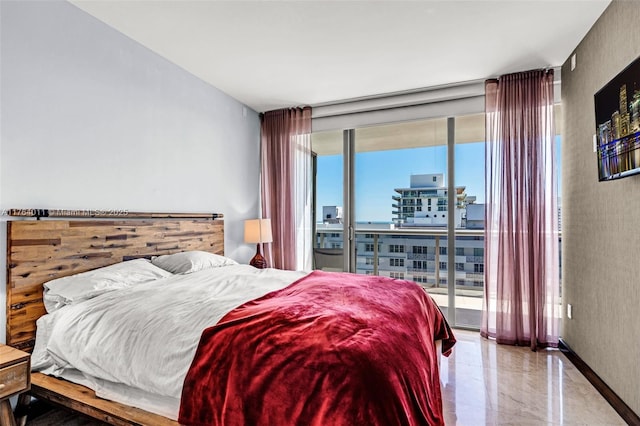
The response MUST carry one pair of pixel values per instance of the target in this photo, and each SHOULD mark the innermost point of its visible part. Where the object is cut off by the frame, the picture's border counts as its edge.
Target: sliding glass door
(400, 201)
(396, 208)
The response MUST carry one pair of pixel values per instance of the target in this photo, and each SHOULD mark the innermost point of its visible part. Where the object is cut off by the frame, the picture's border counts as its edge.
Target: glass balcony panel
(469, 182)
(415, 254)
(328, 164)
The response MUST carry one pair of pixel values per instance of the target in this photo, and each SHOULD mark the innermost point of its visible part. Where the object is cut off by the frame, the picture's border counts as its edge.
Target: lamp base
(258, 260)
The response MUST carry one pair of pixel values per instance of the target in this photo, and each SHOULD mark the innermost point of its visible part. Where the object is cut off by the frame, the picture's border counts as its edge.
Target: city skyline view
(378, 173)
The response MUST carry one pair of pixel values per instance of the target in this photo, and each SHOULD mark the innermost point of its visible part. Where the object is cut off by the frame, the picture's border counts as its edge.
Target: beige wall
(601, 220)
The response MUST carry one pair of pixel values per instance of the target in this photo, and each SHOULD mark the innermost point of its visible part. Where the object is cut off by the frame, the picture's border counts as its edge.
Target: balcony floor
(468, 307)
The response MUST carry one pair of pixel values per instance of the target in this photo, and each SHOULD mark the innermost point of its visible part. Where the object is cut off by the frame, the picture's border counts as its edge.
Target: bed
(243, 330)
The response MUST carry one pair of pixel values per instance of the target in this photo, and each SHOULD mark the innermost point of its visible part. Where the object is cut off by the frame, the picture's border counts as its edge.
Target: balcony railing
(468, 283)
(433, 238)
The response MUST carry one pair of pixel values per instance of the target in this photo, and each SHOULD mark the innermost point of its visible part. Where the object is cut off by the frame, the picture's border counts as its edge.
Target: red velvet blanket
(330, 349)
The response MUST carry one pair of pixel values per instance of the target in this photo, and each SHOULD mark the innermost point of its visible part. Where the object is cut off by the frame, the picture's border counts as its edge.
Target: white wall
(92, 120)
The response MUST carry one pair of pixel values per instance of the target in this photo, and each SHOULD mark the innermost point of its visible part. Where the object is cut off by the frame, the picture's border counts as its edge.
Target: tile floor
(485, 383)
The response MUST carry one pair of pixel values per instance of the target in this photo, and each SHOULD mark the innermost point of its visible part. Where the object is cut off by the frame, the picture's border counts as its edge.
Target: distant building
(605, 133)
(424, 203)
(625, 126)
(331, 214)
(634, 107)
(421, 257)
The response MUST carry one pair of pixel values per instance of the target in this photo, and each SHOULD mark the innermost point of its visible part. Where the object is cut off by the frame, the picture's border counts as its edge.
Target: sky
(379, 172)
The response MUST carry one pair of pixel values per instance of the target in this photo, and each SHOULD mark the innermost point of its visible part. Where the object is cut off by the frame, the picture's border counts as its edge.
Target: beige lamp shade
(257, 231)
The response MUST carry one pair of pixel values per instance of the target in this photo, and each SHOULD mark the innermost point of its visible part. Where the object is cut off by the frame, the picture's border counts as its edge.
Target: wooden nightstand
(15, 378)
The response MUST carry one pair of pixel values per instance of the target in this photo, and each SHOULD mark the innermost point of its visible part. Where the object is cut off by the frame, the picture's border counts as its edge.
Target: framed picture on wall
(617, 110)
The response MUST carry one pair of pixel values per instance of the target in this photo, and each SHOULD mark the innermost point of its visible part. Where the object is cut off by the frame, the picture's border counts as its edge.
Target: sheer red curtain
(286, 191)
(521, 303)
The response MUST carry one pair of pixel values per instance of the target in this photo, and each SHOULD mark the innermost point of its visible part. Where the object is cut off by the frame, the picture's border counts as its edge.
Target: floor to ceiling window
(402, 209)
(401, 203)
(418, 207)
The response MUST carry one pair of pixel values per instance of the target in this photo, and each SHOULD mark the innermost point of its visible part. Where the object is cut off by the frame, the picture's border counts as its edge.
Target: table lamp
(257, 231)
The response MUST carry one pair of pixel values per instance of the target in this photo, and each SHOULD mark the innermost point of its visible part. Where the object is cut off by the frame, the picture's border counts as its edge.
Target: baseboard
(627, 414)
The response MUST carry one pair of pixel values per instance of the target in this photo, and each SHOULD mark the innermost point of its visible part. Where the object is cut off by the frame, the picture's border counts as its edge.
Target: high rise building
(623, 99)
(624, 112)
(424, 202)
(616, 122)
(635, 111)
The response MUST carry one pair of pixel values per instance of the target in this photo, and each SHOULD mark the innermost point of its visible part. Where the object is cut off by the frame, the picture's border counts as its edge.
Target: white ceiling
(276, 54)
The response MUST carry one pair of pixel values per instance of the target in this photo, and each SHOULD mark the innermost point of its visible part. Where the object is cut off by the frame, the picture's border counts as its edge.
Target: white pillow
(86, 285)
(191, 261)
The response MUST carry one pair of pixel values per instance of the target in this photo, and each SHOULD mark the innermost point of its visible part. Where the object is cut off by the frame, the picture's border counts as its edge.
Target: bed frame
(42, 250)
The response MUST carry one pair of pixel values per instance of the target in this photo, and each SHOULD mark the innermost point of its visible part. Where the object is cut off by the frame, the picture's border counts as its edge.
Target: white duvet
(145, 337)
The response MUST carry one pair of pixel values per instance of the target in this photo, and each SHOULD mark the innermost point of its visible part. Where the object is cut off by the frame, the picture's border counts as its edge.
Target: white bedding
(135, 345)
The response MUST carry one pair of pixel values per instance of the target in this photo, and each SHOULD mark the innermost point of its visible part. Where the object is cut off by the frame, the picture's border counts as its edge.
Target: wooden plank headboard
(39, 251)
